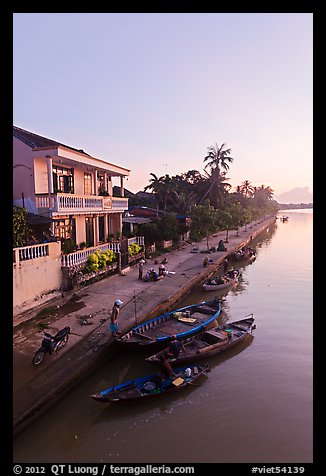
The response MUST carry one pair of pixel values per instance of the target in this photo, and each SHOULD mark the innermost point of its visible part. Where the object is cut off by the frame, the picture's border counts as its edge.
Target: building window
(63, 229)
(63, 179)
(87, 183)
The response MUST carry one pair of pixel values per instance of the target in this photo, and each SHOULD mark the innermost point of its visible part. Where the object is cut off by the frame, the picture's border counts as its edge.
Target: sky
(152, 91)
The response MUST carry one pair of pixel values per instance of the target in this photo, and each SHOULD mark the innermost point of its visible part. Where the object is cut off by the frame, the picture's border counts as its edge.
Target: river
(256, 405)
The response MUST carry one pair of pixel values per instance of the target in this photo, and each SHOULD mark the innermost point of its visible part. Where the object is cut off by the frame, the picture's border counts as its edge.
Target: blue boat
(184, 322)
(150, 386)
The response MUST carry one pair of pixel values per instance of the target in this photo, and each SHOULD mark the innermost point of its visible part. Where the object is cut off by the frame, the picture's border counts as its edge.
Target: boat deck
(172, 325)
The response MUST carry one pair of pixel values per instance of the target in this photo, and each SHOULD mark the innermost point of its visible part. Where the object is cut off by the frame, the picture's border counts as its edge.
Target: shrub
(99, 260)
(134, 249)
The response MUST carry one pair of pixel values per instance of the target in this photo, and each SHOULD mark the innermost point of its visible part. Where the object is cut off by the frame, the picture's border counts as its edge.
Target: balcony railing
(80, 257)
(68, 202)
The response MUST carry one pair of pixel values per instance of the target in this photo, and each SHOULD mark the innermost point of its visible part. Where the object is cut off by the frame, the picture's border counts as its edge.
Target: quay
(37, 389)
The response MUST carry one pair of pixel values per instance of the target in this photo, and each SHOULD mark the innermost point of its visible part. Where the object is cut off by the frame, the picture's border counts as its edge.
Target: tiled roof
(34, 140)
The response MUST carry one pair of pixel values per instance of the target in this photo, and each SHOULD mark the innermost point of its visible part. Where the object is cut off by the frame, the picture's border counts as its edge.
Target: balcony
(72, 203)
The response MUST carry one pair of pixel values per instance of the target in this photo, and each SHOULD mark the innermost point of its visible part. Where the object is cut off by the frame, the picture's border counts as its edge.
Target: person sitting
(161, 270)
(175, 347)
(154, 275)
(147, 276)
(221, 246)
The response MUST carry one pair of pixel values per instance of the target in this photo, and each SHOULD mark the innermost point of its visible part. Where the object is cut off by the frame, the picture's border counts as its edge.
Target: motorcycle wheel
(38, 357)
(64, 340)
(61, 343)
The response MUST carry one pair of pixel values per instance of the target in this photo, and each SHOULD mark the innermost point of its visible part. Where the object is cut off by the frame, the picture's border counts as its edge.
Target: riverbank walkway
(36, 389)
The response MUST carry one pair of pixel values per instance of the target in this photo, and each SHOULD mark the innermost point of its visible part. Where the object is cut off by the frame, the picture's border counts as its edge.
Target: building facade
(73, 188)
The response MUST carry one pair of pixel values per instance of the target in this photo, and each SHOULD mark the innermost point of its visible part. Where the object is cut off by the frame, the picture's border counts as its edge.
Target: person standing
(114, 324)
(226, 265)
(166, 368)
(141, 268)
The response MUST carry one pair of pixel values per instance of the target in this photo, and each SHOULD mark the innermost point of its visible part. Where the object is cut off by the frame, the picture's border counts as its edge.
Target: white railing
(81, 256)
(61, 202)
(136, 239)
(30, 252)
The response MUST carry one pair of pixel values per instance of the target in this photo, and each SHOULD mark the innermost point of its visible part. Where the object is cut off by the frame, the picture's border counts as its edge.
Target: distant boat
(156, 333)
(284, 218)
(248, 254)
(217, 283)
(150, 387)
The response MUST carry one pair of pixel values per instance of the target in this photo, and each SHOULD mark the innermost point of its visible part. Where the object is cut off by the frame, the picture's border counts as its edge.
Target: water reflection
(268, 374)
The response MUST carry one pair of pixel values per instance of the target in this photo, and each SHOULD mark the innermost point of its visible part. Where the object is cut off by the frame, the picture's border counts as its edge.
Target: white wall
(35, 277)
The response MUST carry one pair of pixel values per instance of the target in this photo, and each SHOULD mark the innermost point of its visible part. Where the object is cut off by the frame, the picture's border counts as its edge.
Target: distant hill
(296, 195)
(139, 198)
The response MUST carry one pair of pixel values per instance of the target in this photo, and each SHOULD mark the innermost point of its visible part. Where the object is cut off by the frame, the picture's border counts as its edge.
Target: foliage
(20, 228)
(99, 260)
(103, 192)
(134, 249)
(149, 231)
(205, 220)
(167, 227)
(68, 246)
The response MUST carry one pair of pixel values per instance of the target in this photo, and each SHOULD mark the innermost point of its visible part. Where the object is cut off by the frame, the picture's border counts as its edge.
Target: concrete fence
(36, 271)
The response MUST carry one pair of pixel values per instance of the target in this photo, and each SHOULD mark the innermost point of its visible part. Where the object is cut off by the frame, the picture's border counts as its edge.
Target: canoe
(149, 387)
(231, 278)
(247, 254)
(210, 342)
(156, 333)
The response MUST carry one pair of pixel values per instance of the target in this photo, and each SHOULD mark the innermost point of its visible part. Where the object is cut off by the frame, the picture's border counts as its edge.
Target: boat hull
(219, 287)
(147, 388)
(209, 343)
(155, 334)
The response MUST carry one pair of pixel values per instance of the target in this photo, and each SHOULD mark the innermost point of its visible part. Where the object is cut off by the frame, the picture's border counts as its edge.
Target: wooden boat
(149, 387)
(248, 254)
(217, 283)
(156, 333)
(284, 218)
(209, 342)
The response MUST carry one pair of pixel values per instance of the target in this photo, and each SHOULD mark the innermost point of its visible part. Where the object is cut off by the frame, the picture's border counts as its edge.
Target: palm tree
(217, 157)
(247, 189)
(156, 187)
(182, 202)
(217, 187)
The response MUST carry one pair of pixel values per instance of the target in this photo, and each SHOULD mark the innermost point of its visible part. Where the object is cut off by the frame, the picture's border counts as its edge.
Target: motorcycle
(51, 344)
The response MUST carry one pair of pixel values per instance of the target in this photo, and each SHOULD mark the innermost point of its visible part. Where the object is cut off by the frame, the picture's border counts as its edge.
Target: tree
(247, 189)
(204, 220)
(236, 211)
(167, 227)
(20, 228)
(182, 202)
(217, 188)
(156, 187)
(263, 195)
(217, 157)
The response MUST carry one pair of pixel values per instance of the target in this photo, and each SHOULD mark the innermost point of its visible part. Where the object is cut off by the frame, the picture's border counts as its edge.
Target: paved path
(38, 388)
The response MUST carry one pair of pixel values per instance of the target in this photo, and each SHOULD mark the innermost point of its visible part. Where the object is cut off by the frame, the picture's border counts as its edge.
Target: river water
(255, 406)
